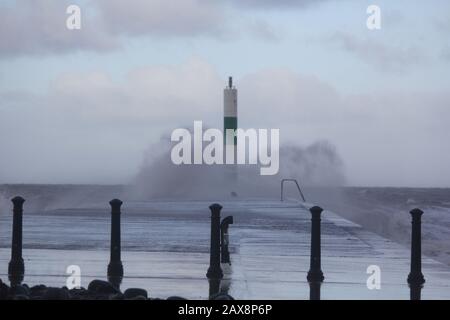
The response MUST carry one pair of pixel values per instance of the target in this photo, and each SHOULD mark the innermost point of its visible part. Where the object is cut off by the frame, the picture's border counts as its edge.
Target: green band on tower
(230, 123)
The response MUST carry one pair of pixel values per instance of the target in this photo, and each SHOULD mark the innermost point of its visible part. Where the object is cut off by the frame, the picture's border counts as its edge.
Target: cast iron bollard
(214, 270)
(314, 290)
(115, 268)
(224, 239)
(214, 287)
(415, 277)
(315, 274)
(16, 267)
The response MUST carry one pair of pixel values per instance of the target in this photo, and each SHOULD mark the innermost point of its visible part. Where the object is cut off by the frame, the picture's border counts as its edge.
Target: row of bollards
(315, 275)
(219, 251)
(219, 246)
(16, 267)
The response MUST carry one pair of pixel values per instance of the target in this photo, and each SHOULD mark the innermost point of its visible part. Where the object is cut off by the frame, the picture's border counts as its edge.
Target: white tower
(230, 125)
(230, 110)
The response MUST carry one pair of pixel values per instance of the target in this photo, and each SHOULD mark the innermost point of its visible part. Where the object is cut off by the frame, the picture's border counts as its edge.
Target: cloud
(89, 128)
(275, 4)
(162, 18)
(442, 24)
(390, 58)
(38, 27)
(287, 97)
(261, 29)
(149, 95)
(445, 53)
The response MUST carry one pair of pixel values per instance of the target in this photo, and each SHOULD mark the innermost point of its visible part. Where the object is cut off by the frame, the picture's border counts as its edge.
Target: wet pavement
(165, 249)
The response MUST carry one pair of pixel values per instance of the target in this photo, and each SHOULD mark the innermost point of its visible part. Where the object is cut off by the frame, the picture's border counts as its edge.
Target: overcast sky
(83, 106)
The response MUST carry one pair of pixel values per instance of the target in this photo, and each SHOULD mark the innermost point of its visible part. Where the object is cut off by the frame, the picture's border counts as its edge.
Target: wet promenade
(165, 249)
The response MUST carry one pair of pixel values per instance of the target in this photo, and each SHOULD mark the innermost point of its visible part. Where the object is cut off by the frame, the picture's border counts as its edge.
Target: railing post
(315, 275)
(16, 267)
(415, 277)
(115, 267)
(224, 239)
(214, 270)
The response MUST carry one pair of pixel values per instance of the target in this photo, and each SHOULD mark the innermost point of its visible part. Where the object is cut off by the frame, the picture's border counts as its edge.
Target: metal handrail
(298, 187)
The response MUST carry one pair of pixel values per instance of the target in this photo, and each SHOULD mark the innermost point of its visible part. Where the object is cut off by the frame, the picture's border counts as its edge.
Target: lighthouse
(230, 112)
(230, 124)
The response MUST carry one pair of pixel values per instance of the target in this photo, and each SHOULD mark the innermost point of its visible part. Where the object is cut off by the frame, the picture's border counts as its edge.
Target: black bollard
(415, 292)
(16, 267)
(415, 277)
(214, 287)
(224, 239)
(315, 273)
(115, 268)
(314, 290)
(214, 270)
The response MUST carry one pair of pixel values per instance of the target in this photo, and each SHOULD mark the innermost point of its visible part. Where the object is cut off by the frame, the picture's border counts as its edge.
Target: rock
(131, 293)
(221, 296)
(138, 298)
(176, 298)
(3, 290)
(117, 296)
(37, 291)
(21, 297)
(56, 294)
(19, 290)
(78, 293)
(101, 287)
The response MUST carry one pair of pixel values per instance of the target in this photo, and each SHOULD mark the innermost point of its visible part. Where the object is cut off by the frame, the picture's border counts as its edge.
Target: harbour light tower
(230, 112)
(230, 124)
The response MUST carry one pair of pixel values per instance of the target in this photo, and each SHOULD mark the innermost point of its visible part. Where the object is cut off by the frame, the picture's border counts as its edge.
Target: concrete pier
(165, 249)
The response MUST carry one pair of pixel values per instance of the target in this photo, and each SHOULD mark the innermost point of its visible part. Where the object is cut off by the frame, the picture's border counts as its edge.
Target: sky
(84, 106)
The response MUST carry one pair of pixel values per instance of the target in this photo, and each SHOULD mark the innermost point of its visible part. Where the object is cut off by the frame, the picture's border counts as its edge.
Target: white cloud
(275, 4)
(161, 17)
(151, 94)
(390, 58)
(38, 27)
(263, 30)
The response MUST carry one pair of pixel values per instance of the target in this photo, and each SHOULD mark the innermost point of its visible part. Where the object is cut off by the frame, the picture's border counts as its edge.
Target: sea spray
(318, 164)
